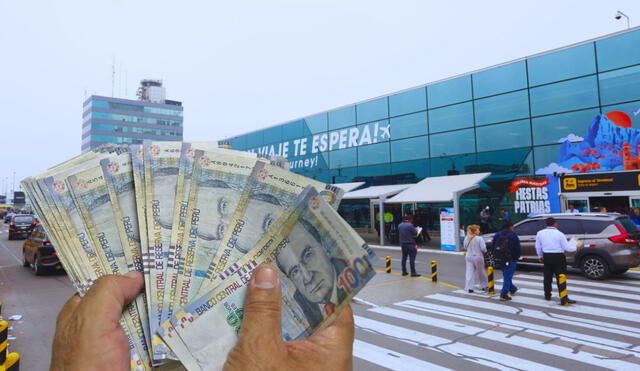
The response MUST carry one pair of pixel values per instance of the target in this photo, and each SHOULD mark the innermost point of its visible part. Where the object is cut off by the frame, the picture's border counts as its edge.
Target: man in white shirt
(551, 245)
(572, 210)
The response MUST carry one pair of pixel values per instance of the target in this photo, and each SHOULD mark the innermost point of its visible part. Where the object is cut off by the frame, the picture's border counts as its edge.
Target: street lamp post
(620, 14)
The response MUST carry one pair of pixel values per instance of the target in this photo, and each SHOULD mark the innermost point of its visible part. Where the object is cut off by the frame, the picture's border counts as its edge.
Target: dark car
(610, 241)
(39, 253)
(21, 225)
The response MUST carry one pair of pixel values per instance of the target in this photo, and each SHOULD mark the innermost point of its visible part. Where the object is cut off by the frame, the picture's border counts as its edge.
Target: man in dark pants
(508, 267)
(408, 234)
(551, 244)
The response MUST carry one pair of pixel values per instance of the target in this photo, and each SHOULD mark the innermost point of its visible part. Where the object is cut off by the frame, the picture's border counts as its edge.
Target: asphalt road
(37, 298)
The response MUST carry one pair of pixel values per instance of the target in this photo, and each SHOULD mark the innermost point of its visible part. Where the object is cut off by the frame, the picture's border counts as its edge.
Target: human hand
(260, 345)
(88, 335)
(541, 260)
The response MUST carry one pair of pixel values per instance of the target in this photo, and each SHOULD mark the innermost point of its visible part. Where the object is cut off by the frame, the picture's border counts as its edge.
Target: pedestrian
(408, 234)
(572, 209)
(476, 248)
(485, 217)
(507, 237)
(551, 244)
(504, 216)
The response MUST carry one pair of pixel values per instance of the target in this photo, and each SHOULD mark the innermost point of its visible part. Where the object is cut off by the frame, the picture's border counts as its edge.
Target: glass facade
(533, 116)
(114, 120)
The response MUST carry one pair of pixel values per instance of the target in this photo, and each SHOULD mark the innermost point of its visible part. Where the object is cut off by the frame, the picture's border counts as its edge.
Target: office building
(116, 120)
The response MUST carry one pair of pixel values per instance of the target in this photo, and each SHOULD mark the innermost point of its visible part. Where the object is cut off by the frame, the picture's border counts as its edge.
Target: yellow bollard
(562, 289)
(388, 261)
(4, 331)
(434, 270)
(12, 363)
(491, 282)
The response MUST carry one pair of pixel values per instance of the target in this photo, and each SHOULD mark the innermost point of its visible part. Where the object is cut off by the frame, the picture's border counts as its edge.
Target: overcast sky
(241, 65)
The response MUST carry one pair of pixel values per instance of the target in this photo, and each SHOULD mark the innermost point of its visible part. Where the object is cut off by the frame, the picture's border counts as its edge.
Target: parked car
(8, 216)
(610, 242)
(21, 225)
(39, 253)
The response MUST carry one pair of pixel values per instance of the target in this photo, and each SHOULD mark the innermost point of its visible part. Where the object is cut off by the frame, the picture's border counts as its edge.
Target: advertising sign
(601, 182)
(18, 198)
(448, 233)
(537, 195)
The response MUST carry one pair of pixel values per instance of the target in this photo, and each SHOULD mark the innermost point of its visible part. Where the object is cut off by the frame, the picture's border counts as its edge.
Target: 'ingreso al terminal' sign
(334, 140)
(601, 182)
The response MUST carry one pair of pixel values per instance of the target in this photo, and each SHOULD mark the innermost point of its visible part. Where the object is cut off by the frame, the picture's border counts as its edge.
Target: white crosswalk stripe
(527, 333)
(392, 360)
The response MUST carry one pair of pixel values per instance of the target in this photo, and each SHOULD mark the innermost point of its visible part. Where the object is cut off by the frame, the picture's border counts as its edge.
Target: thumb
(261, 316)
(110, 294)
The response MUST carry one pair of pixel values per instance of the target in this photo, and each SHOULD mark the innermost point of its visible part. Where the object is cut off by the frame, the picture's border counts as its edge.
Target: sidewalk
(432, 246)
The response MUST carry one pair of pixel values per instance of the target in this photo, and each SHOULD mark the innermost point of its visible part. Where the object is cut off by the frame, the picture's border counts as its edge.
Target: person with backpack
(506, 252)
(476, 248)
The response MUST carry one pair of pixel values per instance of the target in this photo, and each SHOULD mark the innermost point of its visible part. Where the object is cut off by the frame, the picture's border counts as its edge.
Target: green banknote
(269, 191)
(322, 264)
(161, 166)
(91, 197)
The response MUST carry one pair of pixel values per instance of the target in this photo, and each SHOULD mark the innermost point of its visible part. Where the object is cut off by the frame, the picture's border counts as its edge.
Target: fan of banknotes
(197, 219)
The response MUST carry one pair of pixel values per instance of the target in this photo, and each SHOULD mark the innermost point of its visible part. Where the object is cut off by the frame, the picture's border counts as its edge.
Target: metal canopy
(348, 187)
(439, 189)
(376, 192)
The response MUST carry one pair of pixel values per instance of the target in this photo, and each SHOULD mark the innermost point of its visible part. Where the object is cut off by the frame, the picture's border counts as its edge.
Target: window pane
(503, 107)
(409, 125)
(342, 117)
(569, 226)
(551, 129)
(419, 168)
(562, 65)
(343, 175)
(450, 91)
(343, 158)
(510, 135)
(501, 79)
(529, 228)
(410, 101)
(452, 143)
(631, 109)
(272, 134)
(372, 110)
(544, 156)
(452, 117)
(380, 131)
(317, 123)
(254, 139)
(618, 51)
(441, 165)
(239, 143)
(293, 130)
(620, 85)
(375, 170)
(499, 163)
(410, 149)
(373, 154)
(564, 96)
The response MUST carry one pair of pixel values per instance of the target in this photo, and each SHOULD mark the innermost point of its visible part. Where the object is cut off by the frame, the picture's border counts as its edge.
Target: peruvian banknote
(311, 241)
(269, 191)
(161, 166)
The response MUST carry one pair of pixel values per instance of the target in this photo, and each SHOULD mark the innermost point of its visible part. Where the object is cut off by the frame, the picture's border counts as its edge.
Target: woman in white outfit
(475, 247)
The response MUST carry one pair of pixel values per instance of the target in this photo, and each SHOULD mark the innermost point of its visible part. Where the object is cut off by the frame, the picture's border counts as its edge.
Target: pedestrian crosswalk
(459, 331)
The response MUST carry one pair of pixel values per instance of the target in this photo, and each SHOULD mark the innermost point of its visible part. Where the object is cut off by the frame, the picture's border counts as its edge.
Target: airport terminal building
(537, 125)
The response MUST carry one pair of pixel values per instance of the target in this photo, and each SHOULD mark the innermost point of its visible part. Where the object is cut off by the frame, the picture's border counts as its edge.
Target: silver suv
(610, 242)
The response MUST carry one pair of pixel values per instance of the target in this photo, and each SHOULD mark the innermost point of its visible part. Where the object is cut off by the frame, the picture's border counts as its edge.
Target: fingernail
(266, 277)
(132, 274)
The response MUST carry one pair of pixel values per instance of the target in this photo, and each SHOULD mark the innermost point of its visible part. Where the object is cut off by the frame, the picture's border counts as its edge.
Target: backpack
(501, 250)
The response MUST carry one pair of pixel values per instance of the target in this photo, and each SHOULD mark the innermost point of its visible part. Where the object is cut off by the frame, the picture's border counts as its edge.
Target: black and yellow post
(434, 270)
(388, 261)
(491, 283)
(562, 289)
(4, 332)
(12, 363)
